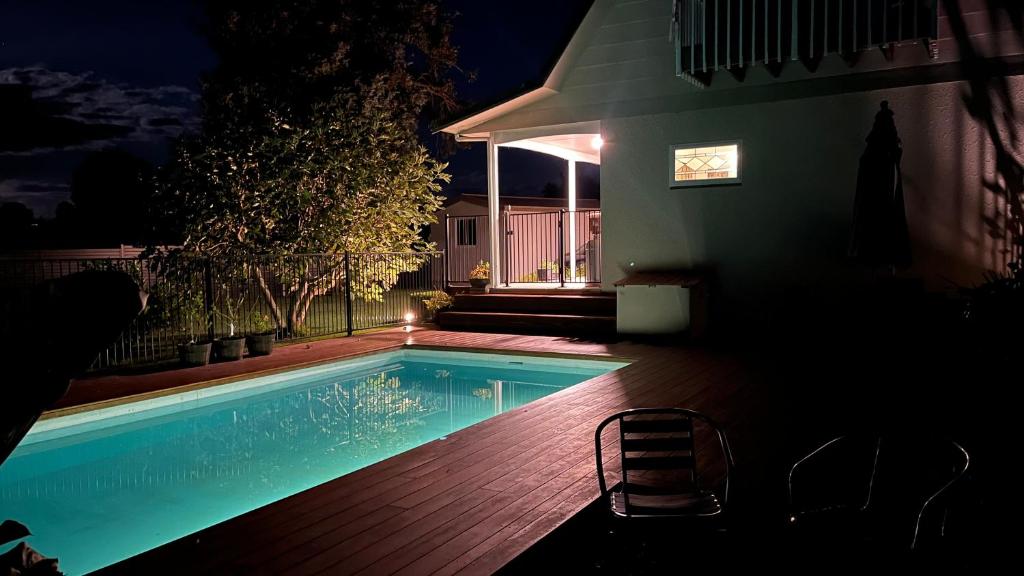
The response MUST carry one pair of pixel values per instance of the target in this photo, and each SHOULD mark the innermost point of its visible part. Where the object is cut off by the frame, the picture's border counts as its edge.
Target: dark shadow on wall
(990, 102)
(984, 219)
(887, 353)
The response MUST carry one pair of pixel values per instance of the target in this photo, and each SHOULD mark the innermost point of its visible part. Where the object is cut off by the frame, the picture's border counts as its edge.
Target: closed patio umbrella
(880, 237)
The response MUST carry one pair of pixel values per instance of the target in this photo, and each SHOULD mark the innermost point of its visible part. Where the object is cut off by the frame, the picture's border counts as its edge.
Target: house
(531, 244)
(728, 135)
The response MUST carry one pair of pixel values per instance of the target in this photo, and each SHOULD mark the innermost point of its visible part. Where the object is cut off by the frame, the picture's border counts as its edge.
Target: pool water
(103, 485)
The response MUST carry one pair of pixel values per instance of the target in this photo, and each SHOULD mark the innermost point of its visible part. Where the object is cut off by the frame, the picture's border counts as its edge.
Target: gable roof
(549, 87)
(618, 64)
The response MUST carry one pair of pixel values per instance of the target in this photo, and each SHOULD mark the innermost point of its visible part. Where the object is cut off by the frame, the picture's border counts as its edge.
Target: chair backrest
(906, 479)
(658, 440)
(914, 476)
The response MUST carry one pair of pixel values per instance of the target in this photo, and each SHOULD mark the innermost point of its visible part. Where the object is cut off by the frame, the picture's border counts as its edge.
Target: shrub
(994, 312)
(437, 302)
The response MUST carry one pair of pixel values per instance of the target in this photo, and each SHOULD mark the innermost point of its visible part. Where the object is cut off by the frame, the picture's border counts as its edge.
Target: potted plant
(480, 275)
(546, 270)
(195, 352)
(261, 341)
(232, 346)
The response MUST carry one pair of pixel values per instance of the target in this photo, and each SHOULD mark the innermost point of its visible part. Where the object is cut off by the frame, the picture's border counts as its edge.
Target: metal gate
(555, 247)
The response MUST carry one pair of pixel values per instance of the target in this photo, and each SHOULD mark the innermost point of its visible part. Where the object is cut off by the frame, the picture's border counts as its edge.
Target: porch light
(596, 142)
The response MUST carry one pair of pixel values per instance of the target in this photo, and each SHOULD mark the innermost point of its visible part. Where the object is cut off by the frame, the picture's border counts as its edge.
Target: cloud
(46, 110)
(41, 196)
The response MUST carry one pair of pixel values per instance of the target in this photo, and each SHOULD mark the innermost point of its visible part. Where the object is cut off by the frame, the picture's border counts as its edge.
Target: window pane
(706, 163)
(466, 231)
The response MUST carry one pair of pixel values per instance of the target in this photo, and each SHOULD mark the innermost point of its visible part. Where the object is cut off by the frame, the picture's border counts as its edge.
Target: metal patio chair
(660, 475)
(876, 493)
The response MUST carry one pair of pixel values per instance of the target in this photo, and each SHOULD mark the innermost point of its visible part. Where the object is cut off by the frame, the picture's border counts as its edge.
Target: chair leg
(621, 547)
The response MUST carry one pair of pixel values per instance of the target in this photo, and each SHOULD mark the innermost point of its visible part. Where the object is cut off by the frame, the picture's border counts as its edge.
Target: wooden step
(527, 323)
(583, 305)
(553, 290)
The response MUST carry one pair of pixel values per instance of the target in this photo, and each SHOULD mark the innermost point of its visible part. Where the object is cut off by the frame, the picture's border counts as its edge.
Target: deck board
(466, 504)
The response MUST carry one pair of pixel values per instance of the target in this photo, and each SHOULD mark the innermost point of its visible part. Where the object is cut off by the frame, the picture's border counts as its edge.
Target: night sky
(126, 73)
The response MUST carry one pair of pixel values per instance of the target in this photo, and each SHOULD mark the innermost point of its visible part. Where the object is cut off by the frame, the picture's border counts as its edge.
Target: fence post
(208, 299)
(445, 259)
(561, 247)
(348, 292)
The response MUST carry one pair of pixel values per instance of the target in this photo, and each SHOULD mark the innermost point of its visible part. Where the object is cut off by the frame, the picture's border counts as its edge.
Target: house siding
(627, 68)
(787, 225)
(461, 259)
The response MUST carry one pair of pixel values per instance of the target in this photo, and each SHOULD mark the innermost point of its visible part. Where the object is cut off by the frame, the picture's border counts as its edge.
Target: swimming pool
(99, 486)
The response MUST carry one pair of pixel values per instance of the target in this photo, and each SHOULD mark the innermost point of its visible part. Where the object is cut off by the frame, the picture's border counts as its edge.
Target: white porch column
(493, 211)
(572, 220)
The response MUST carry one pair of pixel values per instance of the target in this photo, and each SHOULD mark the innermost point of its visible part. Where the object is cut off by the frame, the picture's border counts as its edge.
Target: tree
(16, 220)
(309, 141)
(111, 190)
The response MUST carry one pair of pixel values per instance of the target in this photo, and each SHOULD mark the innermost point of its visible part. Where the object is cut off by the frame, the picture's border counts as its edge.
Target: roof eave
(463, 127)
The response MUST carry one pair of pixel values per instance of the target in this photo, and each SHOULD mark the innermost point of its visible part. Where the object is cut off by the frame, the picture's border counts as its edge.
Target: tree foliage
(110, 194)
(349, 180)
(310, 139)
(16, 221)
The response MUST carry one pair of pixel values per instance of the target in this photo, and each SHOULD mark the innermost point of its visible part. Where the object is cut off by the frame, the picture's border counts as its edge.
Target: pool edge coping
(142, 396)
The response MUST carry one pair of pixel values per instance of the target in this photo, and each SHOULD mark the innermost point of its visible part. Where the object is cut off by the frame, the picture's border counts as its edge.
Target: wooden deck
(466, 504)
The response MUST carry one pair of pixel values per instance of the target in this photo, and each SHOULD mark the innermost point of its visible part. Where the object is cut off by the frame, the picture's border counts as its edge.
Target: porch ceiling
(578, 147)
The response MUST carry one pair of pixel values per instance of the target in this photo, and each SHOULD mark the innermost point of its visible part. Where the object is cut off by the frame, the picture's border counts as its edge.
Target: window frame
(463, 231)
(673, 183)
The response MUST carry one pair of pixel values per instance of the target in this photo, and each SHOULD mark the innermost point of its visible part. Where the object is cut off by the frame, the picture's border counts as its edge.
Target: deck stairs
(579, 313)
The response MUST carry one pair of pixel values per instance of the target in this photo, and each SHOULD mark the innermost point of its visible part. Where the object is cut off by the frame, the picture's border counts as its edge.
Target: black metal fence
(296, 297)
(555, 247)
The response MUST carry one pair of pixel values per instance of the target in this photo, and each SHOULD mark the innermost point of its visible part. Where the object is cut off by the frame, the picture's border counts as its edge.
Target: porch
(537, 250)
(539, 246)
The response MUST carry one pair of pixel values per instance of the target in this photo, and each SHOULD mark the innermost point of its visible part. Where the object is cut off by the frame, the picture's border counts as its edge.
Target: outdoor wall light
(596, 142)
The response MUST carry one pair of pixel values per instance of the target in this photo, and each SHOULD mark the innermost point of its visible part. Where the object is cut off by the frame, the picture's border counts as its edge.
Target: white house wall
(786, 226)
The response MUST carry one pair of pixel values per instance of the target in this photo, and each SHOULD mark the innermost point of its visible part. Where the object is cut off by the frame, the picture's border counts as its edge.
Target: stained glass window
(705, 164)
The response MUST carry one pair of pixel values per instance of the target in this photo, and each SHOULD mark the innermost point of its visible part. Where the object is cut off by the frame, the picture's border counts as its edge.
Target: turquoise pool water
(104, 485)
